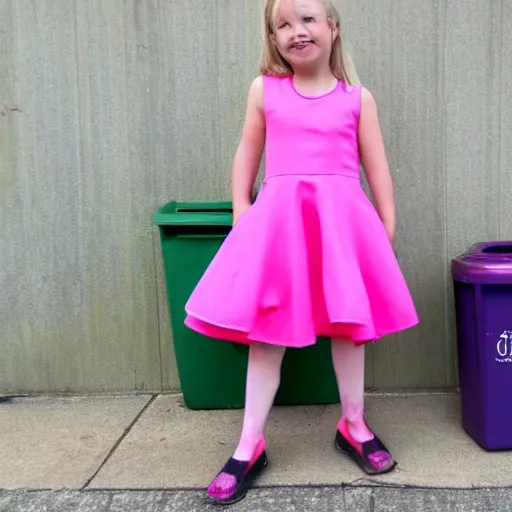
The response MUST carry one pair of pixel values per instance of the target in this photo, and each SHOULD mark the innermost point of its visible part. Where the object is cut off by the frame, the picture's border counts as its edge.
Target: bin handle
(211, 235)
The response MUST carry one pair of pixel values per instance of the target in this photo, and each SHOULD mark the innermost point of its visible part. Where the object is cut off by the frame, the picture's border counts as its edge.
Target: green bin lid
(214, 213)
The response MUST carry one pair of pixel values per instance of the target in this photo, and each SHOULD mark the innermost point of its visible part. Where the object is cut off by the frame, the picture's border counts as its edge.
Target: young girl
(312, 256)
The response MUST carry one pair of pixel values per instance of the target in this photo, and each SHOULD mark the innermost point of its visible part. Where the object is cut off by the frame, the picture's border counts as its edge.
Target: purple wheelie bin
(483, 301)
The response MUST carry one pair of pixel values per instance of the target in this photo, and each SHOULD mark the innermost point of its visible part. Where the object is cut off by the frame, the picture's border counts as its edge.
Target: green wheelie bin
(212, 372)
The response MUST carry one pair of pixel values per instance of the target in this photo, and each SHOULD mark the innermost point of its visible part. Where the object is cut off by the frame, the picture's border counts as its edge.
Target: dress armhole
(266, 86)
(359, 102)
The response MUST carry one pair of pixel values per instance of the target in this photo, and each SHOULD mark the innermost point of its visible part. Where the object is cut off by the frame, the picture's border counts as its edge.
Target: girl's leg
(263, 377)
(348, 362)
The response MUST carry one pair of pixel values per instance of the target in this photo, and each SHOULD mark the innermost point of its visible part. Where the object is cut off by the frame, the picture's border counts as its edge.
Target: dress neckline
(320, 96)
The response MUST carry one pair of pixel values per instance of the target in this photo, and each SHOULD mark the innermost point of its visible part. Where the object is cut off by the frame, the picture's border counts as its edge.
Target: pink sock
(348, 361)
(263, 377)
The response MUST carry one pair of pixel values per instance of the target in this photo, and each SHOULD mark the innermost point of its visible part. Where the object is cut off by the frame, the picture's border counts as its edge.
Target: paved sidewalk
(151, 453)
(296, 499)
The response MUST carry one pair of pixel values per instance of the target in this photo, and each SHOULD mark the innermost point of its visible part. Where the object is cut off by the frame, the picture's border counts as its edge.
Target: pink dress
(311, 257)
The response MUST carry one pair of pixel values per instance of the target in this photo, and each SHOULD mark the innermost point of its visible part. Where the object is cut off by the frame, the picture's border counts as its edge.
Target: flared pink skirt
(310, 258)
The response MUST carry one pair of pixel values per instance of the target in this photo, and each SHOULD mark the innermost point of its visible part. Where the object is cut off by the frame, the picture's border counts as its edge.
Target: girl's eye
(283, 25)
(309, 19)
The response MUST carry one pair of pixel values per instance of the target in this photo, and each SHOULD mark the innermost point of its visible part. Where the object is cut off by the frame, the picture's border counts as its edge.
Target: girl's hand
(238, 211)
(390, 230)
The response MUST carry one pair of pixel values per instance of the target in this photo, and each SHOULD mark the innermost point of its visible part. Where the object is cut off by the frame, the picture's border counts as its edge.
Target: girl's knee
(342, 341)
(266, 351)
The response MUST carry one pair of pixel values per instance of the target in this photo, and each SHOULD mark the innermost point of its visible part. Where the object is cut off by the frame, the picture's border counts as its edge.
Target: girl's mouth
(301, 45)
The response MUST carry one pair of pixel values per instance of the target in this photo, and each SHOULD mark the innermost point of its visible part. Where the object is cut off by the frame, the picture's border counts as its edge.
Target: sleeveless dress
(311, 256)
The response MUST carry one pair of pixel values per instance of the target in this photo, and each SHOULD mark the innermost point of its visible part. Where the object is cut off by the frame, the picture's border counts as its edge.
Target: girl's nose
(298, 31)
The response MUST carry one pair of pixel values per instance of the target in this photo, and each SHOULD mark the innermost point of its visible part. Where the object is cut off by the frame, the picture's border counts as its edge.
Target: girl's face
(303, 34)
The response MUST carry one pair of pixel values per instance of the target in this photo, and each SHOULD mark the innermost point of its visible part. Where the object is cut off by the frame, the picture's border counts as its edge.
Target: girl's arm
(373, 158)
(250, 149)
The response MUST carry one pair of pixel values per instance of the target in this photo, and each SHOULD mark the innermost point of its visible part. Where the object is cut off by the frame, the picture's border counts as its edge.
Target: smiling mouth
(301, 45)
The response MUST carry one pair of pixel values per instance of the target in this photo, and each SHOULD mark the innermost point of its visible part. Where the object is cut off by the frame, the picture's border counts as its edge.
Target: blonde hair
(273, 64)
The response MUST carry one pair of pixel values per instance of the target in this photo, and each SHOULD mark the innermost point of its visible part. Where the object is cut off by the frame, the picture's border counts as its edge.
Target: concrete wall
(111, 108)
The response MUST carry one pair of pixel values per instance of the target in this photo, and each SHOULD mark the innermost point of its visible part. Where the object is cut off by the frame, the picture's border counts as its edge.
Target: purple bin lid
(485, 263)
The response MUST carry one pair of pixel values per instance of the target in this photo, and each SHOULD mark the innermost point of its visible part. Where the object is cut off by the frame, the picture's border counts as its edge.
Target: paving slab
(287, 499)
(172, 447)
(53, 443)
